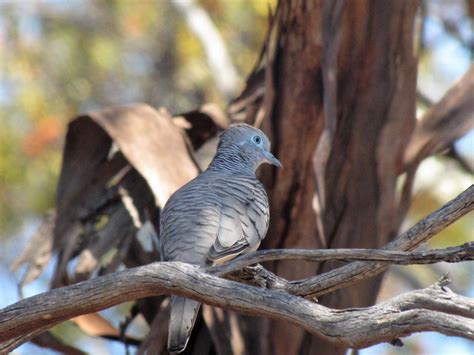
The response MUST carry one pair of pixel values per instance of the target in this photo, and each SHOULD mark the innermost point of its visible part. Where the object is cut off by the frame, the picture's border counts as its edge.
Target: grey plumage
(217, 216)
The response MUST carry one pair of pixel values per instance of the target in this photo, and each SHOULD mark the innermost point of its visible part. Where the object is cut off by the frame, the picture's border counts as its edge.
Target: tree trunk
(339, 102)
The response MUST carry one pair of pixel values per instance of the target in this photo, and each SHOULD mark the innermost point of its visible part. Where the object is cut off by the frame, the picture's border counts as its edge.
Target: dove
(220, 214)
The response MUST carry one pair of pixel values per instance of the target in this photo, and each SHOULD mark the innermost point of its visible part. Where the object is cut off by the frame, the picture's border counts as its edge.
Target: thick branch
(424, 310)
(412, 238)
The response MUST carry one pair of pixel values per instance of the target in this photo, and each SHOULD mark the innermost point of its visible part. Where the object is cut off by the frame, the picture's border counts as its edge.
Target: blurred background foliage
(60, 58)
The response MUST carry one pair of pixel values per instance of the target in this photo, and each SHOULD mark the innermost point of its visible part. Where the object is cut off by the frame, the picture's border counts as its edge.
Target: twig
(463, 252)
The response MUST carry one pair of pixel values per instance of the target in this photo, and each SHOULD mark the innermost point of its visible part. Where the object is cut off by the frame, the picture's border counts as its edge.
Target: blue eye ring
(257, 139)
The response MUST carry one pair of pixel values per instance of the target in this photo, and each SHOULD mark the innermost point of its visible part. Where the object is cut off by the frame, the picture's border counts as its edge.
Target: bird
(220, 214)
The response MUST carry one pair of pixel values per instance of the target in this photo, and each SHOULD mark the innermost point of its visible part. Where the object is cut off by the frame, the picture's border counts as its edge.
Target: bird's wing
(243, 224)
(189, 224)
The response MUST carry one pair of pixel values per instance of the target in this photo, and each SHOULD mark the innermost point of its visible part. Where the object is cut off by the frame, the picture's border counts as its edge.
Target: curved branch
(438, 298)
(353, 328)
(409, 240)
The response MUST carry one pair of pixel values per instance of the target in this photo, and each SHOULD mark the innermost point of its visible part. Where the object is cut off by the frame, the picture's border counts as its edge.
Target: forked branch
(432, 309)
(409, 240)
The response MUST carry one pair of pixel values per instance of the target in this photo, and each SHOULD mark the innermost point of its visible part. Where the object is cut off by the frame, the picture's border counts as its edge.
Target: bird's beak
(270, 158)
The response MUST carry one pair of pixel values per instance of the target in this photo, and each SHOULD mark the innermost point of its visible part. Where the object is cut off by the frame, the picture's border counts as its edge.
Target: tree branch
(409, 240)
(354, 272)
(456, 254)
(432, 309)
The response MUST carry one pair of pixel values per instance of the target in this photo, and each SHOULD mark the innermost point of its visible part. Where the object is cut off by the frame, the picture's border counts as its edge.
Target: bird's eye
(257, 139)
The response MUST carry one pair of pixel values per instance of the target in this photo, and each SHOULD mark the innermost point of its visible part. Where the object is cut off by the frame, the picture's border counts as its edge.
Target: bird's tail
(182, 318)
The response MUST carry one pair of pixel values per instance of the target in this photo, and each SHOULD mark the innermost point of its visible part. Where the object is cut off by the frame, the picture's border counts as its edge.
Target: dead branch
(456, 254)
(376, 261)
(409, 240)
(432, 309)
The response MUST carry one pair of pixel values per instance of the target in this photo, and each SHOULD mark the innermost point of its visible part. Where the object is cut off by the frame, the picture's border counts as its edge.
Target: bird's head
(249, 144)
